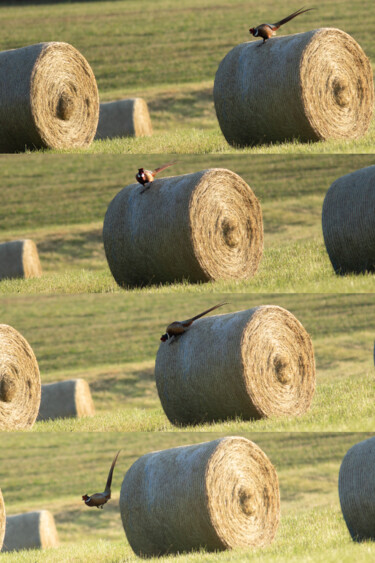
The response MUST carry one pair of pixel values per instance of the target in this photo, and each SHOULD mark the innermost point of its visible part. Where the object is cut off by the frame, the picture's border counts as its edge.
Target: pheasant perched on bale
(266, 30)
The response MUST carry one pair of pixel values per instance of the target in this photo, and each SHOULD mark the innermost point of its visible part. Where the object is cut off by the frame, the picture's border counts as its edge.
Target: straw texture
(66, 399)
(48, 98)
(19, 259)
(201, 226)
(2, 519)
(32, 530)
(312, 86)
(124, 118)
(217, 495)
(19, 381)
(348, 221)
(254, 364)
(357, 491)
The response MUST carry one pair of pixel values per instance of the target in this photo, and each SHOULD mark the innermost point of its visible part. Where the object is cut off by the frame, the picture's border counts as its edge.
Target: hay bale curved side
(356, 490)
(318, 86)
(20, 386)
(2, 519)
(31, 530)
(48, 98)
(124, 118)
(201, 226)
(348, 222)
(217, 495)
(19, 259)
(65, 399)
(254, 364)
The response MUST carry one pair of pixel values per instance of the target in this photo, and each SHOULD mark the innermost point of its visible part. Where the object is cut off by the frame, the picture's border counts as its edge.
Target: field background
(58, 469)
(60, 202)
(111, 341)
(168, 53)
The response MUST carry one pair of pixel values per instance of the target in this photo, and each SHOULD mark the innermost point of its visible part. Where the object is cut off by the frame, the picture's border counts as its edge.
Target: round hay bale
(310, 86)
(19, 381)
(348, 221)
(65, 399)
(357, 491)
(2, 519)
(19, 259)
(254, 364)
(216, 495)
(31, 530)
(124, 118)
(201, 226)
(48, 98)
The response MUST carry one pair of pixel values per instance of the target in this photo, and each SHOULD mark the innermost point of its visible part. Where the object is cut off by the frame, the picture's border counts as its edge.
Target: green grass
(169, 53)
(112, 341)
(57, 470)
(60, 203)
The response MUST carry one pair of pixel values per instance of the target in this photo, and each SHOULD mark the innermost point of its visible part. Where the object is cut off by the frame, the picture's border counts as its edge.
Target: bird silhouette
(147, 176)
(266, 30)
(179, 327)
(99, 499)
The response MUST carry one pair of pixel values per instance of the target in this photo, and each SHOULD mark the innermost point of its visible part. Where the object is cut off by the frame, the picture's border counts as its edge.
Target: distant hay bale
(357, 491)
(124, 118)
(254, 364)
(19, 259)
(310, 86)
(201, 226)
(31, 530)
(48, 98)
(19, 381)
(348, 221)
(2, 519)
(217, 495)
(65, 399)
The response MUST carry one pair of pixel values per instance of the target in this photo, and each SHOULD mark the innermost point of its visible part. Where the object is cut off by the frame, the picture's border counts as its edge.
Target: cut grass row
(60, 203)
(112, 341)
(169, 55)
(57, 470)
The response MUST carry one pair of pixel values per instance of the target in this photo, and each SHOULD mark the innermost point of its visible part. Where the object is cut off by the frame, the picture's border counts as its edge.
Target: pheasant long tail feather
(205, 312)
(162, 167)
(110, 474)
(288, 18)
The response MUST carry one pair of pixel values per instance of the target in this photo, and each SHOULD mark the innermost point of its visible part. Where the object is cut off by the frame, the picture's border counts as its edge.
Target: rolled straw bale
(64, 399)
(201, 226)
(357, 491)
(48, 98)
(124, 118)
(31, 530)
(312, 86)
(19, 259)
(217, 495)
(2, 519)
(348, 221)
(254, 364)
(19, 381)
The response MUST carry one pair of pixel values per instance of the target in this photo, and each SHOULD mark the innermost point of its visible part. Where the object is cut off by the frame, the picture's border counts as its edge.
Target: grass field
(57, 470)
(60, 203)
(112, 340)
(169, 53)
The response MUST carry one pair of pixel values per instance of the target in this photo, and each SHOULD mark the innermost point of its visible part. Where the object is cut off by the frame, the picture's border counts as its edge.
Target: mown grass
(112, 341)
(57, 470)
(169, 53)
(60, 203)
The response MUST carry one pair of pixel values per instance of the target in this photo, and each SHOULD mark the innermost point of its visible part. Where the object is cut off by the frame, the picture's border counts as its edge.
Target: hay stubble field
(170, 58)
(112, 340)
(60, 203)
(59, 469)
(81, 324)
